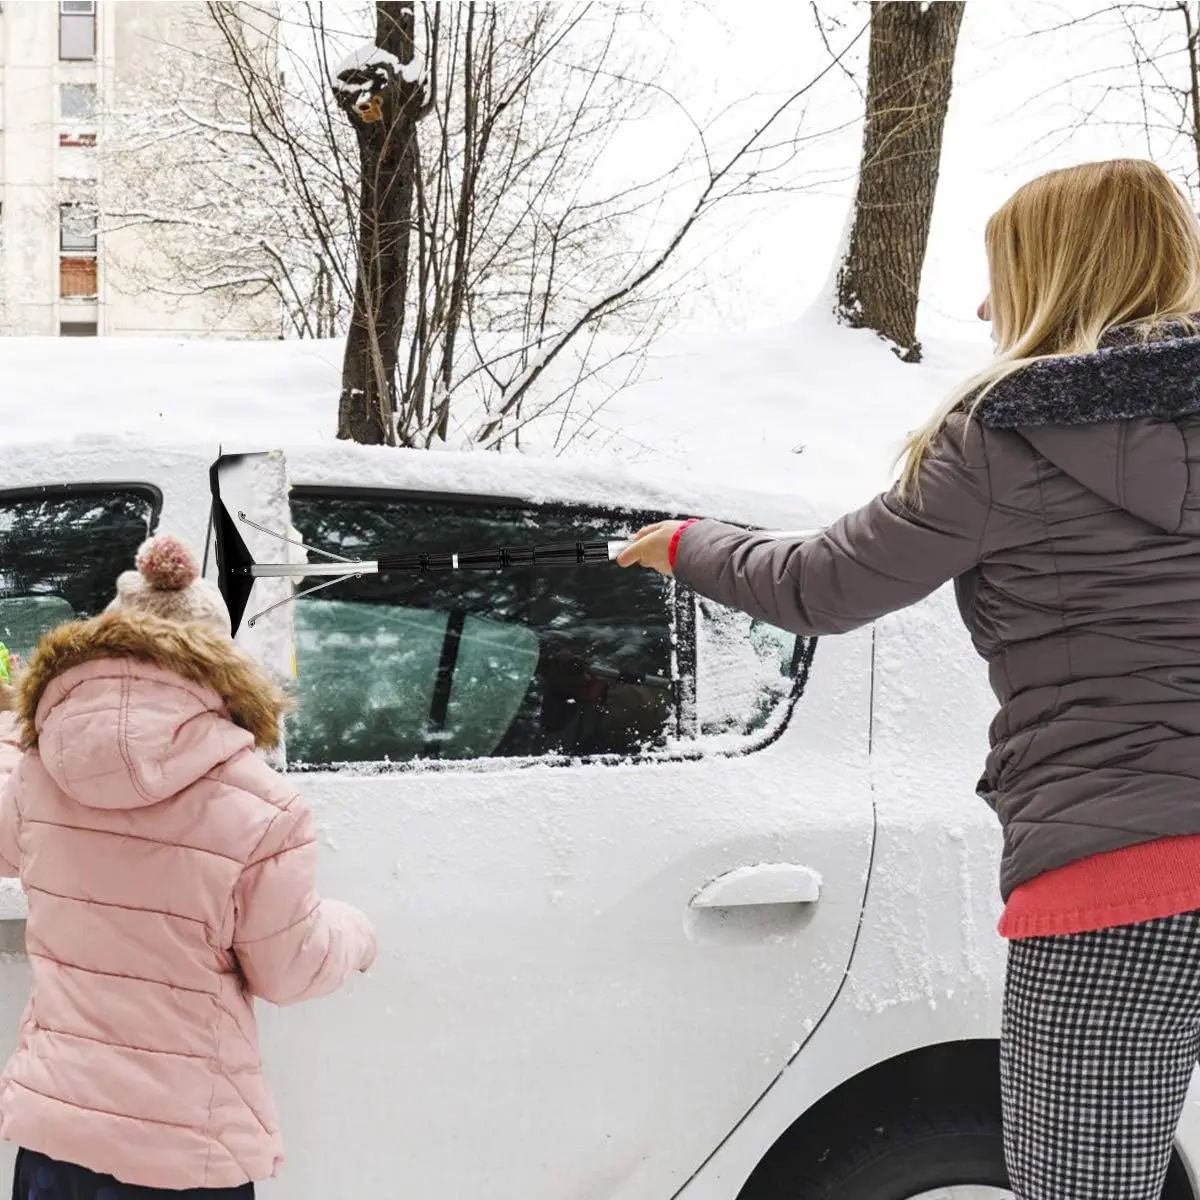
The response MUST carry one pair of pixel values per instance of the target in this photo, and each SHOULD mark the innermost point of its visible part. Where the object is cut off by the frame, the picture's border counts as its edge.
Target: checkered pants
(1101, 1032)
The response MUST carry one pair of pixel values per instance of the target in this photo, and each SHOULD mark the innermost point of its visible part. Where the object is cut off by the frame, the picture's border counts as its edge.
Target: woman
(1058, 490)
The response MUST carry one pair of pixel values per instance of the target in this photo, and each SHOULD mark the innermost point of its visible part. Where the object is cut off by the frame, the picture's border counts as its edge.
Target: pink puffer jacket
(170, 878)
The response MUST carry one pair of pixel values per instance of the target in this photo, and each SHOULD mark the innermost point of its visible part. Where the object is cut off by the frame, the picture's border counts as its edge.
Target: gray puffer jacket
(1068, 513)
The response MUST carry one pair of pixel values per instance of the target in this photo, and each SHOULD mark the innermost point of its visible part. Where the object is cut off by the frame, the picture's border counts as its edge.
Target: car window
(24, 620)
(396, 710)
(464, 664)
(61, 550)
(745, 671)
(576, 662)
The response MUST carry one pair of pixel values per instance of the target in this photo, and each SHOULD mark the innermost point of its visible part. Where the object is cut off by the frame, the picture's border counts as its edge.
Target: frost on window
(564, 662)
(394, 710)
(745, 671)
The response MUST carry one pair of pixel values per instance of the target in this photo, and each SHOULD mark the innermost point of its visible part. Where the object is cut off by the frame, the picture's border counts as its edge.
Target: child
(170, 875)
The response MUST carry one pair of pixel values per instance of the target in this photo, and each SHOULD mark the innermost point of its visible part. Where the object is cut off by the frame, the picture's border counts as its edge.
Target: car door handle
(766, 883)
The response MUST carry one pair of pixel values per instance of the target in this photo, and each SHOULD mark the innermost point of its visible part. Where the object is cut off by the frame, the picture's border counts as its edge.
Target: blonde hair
(1071, 254)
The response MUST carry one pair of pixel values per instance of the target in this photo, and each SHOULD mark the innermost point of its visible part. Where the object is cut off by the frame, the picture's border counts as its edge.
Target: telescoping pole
(571, 554)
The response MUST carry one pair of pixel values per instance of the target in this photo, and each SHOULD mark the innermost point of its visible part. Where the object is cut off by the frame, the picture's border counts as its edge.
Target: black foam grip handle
(569, 555)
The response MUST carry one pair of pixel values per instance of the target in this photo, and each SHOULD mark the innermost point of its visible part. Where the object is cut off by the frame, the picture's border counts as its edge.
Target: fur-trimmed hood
(192, 652)
(1152, 374)
(1111, 420)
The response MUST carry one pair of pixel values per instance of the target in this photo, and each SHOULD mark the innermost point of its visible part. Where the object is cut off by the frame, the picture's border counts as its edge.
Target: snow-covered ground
(806, 409)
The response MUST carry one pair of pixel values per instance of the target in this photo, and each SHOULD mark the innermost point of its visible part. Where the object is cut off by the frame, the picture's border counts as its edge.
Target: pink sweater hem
(1123, 887)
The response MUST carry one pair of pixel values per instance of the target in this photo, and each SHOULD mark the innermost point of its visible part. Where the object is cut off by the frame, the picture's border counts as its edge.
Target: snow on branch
(736, 175)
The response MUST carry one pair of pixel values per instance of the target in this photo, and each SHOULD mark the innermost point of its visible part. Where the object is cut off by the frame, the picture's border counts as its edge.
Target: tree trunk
(384, 108)
(462, 221)
(908, 90)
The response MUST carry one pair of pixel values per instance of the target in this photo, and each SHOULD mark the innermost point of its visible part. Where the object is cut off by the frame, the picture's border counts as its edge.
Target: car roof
(650, 488)
(544, 481)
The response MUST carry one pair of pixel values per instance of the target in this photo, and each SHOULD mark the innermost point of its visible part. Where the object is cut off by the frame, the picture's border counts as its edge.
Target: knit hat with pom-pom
(167, 584)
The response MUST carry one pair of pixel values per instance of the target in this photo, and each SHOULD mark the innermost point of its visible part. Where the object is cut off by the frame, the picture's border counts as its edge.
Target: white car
(671, 904)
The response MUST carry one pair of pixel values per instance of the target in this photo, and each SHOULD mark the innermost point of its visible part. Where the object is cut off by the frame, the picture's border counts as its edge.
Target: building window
(77, 114)
(77, 251)
(77, 278)
(77, 30)
(77, 231)
(77, 103)
(77, 329)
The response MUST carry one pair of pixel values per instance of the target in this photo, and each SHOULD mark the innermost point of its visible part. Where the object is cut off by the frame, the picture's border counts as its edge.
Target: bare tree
(384, 90)
(514, 230)
(1147, 85)
(502, 228)
(909, 73)
(468, 212)
(205, 184)
(506, 232)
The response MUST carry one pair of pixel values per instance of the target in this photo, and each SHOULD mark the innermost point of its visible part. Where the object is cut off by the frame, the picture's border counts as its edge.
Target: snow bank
(810, 414)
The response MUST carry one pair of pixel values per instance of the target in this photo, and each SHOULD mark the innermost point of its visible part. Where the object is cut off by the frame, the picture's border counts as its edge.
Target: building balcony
(77, 278)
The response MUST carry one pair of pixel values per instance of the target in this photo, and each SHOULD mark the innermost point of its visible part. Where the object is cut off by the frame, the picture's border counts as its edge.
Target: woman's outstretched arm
(883, 557)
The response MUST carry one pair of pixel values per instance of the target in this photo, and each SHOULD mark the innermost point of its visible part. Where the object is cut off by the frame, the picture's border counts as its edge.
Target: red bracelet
(673, 549)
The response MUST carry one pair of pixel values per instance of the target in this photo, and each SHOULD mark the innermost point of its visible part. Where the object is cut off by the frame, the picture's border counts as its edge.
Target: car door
(615, 844)
(930, 931)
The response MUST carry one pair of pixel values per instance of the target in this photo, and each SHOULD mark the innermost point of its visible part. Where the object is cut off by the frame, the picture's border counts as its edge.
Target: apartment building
(67, 268)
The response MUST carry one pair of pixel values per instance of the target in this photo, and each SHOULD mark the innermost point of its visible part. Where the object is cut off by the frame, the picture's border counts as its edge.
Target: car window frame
(42, 491)
(47, 491)
(684, 616)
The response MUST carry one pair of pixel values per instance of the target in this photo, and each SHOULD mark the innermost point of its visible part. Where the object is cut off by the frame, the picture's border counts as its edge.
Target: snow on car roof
(783, 428)
(542, 481)
(132, 459)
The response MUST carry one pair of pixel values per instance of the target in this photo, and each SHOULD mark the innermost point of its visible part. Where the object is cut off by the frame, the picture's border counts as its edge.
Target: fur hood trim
(1131, 377)
(194, 652)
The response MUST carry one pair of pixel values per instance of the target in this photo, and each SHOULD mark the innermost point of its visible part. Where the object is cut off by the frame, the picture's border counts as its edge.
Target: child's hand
(651, 547)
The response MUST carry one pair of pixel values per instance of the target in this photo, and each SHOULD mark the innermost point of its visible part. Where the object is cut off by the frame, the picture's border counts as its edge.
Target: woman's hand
(651, 547)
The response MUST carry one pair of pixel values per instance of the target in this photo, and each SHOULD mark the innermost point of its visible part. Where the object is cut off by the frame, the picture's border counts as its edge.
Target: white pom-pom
(166, 564)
